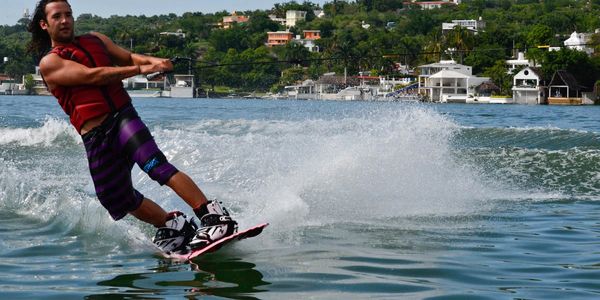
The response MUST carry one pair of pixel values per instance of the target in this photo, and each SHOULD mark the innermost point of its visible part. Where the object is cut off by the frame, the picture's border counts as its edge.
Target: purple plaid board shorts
(121, 141)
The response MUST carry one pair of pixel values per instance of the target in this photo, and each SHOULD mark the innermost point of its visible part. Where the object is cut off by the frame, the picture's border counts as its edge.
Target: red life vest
(83, 103)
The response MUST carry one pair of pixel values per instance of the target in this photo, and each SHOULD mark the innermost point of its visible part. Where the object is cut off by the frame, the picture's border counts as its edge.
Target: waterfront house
(564, 89)
(184, 86)
(39, 87)
(140, 87)
(141, 82)
(451, 86)
(529, 87)
(447, 81)
(7, 84)
(483, 94)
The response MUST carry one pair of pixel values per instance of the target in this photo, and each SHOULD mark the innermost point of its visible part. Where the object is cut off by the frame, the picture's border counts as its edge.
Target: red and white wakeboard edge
(240, 235)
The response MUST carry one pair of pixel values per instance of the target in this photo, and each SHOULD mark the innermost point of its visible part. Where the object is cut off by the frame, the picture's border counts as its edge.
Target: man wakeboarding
(84, 73)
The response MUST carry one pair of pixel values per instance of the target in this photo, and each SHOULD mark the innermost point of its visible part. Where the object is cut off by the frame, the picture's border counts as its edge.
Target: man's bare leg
(187, 189)
(150, 212)
(183, 186)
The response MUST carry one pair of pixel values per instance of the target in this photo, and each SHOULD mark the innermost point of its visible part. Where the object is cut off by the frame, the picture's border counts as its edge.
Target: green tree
(233, 38)
(434, 47)
(539, 34)
(498, 74)
(28, 82)
(578, 63)
(484, 56)
(595, 44)
(260, 23)
(461, 39)
(292, 76)
(259, 72)
(16, 68)
(419, 22)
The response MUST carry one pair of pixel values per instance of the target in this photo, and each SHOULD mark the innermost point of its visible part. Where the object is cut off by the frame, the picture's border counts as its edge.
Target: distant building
(184, 86)
(179, 33)
(447, 81)
(529, 87)
(518, 63)
(319, 13)
(427, 70)
(471, 25)
(140, 82)
(431, 4)
(579, 41)
(7, 84)
(565, 90)
(280, 21)
(39, 87)
(312, 34)
(293, 16)
(229, 21)
(276, 38)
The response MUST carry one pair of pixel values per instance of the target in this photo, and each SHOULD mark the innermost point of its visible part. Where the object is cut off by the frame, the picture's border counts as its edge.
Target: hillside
(362, 36)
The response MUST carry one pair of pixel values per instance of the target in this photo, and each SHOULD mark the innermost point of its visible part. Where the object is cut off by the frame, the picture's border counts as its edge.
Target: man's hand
(157, 65)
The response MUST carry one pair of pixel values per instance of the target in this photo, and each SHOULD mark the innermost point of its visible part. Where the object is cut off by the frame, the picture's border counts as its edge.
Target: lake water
(365, 200)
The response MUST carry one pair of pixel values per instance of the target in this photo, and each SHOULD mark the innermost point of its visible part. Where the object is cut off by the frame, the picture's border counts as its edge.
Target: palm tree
(434, 47)
(461, 39)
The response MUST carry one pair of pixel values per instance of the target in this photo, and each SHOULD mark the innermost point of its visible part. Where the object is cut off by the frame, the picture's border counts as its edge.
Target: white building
(579, 41)
(435, 4)
(427, 70)
(519, 62)
(293, 16)
(471, 25)
(183, 87)
(39, 87)
(179, 33)
(448, 81)
(528, 87)
(140, 82)
(280, 21)
(310, 45)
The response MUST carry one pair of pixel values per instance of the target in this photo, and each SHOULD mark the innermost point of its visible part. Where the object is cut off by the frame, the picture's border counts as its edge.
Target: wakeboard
(240, 235)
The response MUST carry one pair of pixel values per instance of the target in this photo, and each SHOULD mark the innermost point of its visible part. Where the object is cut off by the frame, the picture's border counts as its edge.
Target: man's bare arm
(123, 57)
(62, 72)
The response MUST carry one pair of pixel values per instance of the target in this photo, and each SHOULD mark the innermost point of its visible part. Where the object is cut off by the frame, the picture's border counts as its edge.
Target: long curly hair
(40, 39)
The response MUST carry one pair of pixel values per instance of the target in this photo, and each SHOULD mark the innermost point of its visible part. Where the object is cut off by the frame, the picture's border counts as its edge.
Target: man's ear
(43, 24)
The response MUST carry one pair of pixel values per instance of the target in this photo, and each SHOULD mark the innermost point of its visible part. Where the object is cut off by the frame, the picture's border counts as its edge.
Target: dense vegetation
(238, 58)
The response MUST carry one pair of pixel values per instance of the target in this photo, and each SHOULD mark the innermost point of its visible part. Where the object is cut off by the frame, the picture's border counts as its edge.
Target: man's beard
(65, 39)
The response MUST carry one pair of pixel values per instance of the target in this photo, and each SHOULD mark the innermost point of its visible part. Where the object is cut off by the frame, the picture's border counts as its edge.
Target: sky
(12, 10)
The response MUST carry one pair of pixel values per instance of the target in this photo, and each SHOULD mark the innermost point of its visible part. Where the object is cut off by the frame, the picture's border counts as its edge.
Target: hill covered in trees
(238, 58)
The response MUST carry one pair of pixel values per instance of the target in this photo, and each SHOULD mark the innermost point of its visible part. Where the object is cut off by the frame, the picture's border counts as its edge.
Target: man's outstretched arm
(123, 57)
(62, 72)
